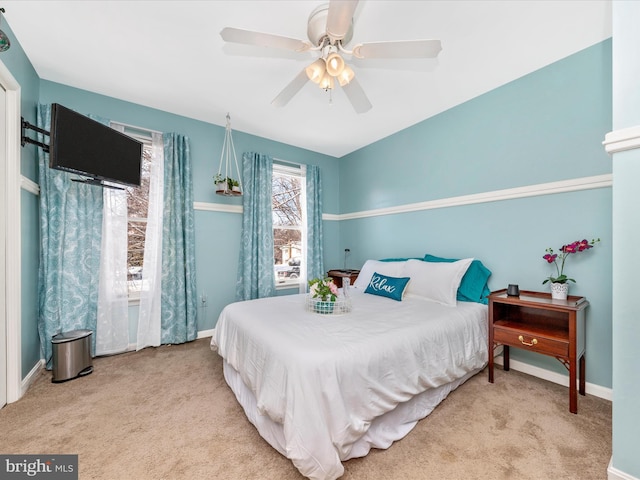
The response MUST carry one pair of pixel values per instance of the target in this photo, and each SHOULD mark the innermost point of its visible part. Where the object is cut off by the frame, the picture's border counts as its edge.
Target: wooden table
(536, 322)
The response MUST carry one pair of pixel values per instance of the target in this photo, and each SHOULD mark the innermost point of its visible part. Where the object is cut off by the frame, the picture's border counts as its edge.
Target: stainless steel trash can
(71, 355)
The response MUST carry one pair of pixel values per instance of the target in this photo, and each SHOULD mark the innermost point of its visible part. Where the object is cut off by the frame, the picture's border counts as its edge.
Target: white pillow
(390, 269)
(438, 282)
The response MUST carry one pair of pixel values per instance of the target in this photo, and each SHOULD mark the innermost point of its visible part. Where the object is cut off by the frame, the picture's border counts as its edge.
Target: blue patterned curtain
(255, 269)
(178, 297)
(315, 254)
(70, 236)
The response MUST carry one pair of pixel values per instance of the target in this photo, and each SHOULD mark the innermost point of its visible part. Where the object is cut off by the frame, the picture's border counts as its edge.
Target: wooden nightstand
(536, 322)
(338, 275)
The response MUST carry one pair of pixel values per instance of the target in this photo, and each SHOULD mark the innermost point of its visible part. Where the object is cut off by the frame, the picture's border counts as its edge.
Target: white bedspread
(326, 377)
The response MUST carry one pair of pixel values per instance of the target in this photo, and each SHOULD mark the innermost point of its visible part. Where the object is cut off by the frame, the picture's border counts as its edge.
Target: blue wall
(545, 127)
(22, 70)
(217, 233)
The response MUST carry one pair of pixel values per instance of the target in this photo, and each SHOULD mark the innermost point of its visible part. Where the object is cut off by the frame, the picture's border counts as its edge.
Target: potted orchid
(560, 283)
(326, 292)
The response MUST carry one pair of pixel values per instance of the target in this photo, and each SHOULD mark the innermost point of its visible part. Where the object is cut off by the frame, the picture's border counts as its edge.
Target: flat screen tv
(83, 146)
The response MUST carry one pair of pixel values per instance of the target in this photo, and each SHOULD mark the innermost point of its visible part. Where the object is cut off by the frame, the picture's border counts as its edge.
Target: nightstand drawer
(531, 341)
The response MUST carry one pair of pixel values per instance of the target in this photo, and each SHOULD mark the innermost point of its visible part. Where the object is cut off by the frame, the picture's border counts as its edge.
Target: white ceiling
(169, 55)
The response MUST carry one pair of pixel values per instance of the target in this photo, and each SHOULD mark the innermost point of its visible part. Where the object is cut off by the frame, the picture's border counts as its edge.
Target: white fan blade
(340, 17)
(290, 90)
(401, 49)
(248, 37)
(356, 96)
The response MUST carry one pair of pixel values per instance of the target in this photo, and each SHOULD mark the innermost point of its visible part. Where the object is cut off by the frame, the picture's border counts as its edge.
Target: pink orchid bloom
(559, 259)
(584, 245)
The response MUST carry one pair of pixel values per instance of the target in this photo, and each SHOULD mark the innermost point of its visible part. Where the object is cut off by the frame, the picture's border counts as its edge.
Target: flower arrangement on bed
(322, 391)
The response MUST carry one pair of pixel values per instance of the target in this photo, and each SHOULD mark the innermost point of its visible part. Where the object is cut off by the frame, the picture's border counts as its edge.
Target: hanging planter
(226, 183)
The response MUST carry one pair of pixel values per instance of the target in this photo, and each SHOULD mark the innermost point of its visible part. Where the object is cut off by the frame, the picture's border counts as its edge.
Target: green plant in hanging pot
(233, 184)
(221, 183)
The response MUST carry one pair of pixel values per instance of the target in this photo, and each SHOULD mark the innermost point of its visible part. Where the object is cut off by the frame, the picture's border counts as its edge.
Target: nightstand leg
(505, 358)
(583, 375)
(490, 367)
(573, 391)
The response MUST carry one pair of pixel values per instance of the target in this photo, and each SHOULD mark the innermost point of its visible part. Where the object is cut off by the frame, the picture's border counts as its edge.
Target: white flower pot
(559, 291)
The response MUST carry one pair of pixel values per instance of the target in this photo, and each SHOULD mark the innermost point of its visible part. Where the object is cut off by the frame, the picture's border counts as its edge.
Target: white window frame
(299, 171)
(134, 287)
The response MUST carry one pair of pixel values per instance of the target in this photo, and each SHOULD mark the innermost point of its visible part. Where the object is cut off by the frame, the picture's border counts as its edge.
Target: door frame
(10, 182)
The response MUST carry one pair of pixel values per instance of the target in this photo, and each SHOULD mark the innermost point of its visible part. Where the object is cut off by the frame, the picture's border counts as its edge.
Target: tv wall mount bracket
(24, 139)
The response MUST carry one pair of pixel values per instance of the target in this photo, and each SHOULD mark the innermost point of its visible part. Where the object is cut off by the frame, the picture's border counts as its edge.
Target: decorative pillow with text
(391, 287)
(390, 269)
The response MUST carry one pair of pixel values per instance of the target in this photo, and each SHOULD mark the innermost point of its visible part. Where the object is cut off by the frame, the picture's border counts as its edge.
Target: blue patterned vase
(323, 307)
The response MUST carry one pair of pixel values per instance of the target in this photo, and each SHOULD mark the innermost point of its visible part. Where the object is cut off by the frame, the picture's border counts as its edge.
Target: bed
(322, 389)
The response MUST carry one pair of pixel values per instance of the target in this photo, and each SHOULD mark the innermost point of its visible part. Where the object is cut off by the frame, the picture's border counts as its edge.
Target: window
(137, 207)
(289, 226)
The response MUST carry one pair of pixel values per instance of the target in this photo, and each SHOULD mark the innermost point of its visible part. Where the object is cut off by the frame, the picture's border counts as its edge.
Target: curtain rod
(287, 162)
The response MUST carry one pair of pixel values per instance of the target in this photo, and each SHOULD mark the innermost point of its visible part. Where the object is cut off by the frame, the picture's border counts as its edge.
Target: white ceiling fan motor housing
(317, 26)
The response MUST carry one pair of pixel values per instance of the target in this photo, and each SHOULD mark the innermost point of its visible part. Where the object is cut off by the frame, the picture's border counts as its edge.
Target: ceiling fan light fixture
(316, 70)
(327, 82)
(346, 76)
(335, 64)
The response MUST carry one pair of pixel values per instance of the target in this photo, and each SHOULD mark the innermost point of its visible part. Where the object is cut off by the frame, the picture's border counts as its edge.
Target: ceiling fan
(330, 28)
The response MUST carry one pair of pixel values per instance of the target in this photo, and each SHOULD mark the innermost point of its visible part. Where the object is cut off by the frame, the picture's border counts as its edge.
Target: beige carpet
(167, 413)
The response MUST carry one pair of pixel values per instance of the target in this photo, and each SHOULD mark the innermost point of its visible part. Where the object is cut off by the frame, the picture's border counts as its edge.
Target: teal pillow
(473, 287)
(400, 259)
(391, 287)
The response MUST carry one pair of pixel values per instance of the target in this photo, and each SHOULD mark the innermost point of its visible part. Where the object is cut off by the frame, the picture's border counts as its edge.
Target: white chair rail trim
(585, 183)
(621, 140)
(217, 207)
(562, 186)
(29, 185)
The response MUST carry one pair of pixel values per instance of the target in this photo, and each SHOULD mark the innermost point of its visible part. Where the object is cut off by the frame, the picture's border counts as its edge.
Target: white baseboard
(615, 474)
(205, 333)
(30, 378)
(590, 388)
